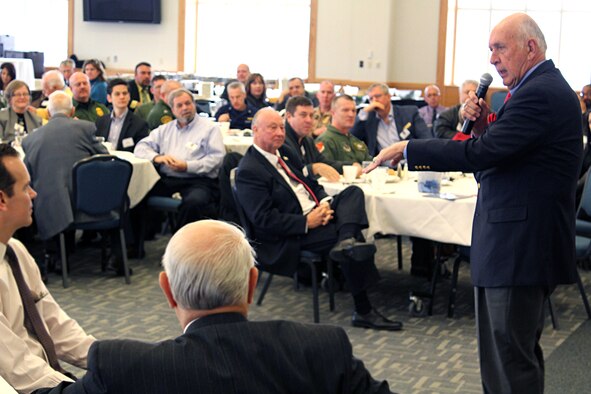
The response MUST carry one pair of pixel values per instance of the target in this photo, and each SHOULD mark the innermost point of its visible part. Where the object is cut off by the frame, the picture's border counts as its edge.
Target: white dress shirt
(23, 362)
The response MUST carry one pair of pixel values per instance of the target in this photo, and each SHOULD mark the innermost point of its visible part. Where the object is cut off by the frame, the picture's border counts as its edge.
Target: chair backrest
(100, 185)
(244, 222)
(584, 210)
(228, 209)
(497, 99)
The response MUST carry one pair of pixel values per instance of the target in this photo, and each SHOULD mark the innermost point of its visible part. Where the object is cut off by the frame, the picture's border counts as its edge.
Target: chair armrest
(583, 228)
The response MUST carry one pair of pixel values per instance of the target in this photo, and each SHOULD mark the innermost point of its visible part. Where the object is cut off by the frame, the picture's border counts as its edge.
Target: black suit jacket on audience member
(446, 124)
(526, 163)
(134, 93)
(273, 208)
(367, 130)
(312, 154)
(133, 127)
(225, 353)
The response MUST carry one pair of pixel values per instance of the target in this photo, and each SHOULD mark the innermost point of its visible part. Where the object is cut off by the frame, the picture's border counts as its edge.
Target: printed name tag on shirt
(127, 142)
(191, 146)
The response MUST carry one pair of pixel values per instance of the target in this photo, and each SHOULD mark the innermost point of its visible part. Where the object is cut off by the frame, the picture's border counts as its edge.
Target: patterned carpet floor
(433, 354)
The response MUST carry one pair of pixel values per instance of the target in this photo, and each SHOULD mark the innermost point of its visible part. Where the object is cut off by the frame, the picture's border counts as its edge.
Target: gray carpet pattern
(432, 354)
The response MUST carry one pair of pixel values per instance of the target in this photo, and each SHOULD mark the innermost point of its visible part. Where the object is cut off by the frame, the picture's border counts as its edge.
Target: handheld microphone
(485, 81)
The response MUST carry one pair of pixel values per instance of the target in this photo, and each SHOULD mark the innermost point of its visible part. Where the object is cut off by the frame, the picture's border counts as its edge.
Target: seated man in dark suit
(381, 123)
(139, 87)
(299, 125)
(289, 212)
(209, 280)
(449, 123)
(122, 128)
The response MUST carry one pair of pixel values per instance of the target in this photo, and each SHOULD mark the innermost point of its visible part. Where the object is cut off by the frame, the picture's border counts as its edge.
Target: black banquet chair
(99, 201)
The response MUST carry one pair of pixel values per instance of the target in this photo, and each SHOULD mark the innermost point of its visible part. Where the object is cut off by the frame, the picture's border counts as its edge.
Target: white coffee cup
(349, 173)
(225, 127)
(378, 178)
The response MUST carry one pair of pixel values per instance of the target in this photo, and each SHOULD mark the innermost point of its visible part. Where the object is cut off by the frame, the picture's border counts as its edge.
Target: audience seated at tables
(430, 111)
(35, 333)
(449, 123)
(256, 91)
(188, 152)
(17, 117)
(50, 154)
(237, 112)
(289, 212)
(322, 116)
(67, 68)
(96, 74)
(7, 74)
(295, 87)
(51, 81)
(380, 124)
(161, 113)
(86, 108)
(209, 280)
(139, 88)
(143, 110)
(242, 74)
(122, 128)
(337, 143)
(299, 124)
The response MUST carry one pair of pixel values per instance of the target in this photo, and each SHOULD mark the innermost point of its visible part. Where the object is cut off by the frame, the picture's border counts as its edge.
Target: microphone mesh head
(486, 79)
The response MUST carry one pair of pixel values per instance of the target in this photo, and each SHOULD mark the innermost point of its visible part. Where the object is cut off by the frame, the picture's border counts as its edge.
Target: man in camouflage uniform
(161, 113)
(143, 110)
(86, 108)
(337, 143)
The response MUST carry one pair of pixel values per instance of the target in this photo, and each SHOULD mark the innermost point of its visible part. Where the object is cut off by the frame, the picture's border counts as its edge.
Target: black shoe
(350, 249)
(375, 320)
(115, 265)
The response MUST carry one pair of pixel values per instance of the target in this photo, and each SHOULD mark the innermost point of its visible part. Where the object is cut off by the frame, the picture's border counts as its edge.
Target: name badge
(191, 146)
(404, 134)
(127, 142)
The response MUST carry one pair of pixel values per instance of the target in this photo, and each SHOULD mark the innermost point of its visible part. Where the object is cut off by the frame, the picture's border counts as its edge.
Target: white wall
(123, 45)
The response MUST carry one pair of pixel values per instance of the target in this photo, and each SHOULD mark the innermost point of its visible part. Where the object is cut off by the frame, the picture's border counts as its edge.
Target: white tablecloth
(5, 388)
(400, 209)
(143, 178)
(237, 143)
(24, 70)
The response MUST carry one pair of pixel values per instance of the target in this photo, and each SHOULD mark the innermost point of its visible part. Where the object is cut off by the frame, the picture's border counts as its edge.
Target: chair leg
(124, 256)
(330, 272)
(453, 287)
(65, 281)
(552, 315)
(315, 307)
(104, 256)
(265, 288)
(583, 295)
(434, 278)
(399, 247)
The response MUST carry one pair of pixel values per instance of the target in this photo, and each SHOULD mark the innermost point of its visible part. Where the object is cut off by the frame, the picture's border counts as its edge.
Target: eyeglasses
(19, 95)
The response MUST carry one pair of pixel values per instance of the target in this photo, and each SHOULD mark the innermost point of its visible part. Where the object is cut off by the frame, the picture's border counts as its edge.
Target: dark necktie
(434, 116)
(33, 320)
(298, 180)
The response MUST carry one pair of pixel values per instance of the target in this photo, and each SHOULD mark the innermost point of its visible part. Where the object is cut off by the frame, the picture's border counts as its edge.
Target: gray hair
(53, 79)
(208, 269)
(68, 62)
(383, 87)
(237, 85)
(169, 86)
(176, 93)
(431, 87)
(530, 29)
(468, 82)
(60, 103)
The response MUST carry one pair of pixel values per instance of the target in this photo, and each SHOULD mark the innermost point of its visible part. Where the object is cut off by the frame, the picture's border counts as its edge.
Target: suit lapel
(124, 129)
(273, 171)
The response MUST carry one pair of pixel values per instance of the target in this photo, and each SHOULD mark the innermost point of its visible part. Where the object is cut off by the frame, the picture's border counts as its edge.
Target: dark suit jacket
(446, 124)
(312, 154)
(367, 130)
(134, 93)
(225, 353)
(526, 163)
(133, 127)
(273, 210)
(50, 154)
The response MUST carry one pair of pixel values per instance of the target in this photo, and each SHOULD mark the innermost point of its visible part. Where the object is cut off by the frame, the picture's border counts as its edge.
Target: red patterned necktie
(298, 180)
(33, 320)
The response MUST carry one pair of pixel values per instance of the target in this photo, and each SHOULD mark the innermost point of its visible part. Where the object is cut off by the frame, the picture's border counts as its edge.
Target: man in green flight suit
(143, 110)
(337, 143)
(86, 108)
(161, 113)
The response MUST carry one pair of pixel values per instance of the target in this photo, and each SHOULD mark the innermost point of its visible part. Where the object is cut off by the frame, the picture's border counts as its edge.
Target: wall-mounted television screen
(134, 11)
